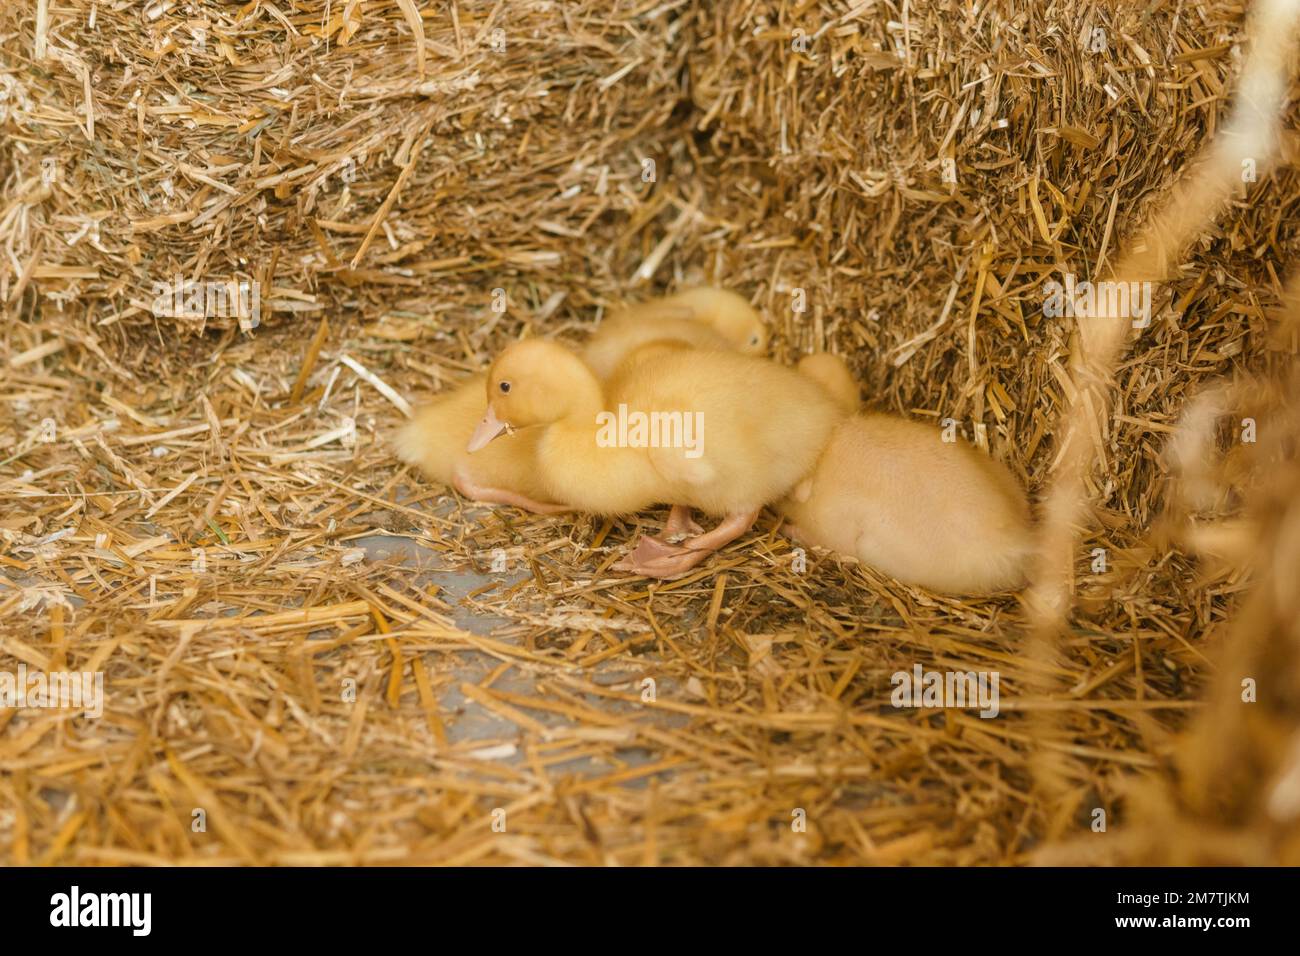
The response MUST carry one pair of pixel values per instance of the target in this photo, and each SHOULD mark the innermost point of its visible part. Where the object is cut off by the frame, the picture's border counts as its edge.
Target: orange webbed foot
(680, 524)
(657, 558)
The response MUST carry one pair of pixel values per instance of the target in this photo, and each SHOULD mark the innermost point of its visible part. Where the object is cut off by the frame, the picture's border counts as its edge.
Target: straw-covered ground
(189, 503)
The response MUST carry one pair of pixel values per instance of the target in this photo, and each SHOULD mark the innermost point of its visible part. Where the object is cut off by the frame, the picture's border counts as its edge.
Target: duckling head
(737, 322)
(535, 382)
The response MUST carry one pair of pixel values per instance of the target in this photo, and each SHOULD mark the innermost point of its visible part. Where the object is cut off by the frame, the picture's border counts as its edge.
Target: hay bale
(350, 159)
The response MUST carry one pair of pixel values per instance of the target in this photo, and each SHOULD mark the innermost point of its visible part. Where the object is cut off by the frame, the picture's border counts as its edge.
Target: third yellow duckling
(893, 494)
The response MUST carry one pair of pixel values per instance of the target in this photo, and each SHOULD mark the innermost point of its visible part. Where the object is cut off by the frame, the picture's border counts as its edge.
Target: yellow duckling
(717, 431)
(893, 494)
(434, 440)
(704, 318)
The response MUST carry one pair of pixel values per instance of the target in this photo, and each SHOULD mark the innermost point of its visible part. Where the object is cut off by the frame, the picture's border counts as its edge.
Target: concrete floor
(467, 720)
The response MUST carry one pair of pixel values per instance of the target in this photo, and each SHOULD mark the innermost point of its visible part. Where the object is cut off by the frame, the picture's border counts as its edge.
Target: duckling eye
(505, 387)
(753, 340)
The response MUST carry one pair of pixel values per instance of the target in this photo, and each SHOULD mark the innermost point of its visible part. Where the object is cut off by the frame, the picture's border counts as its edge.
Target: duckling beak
(489, 428)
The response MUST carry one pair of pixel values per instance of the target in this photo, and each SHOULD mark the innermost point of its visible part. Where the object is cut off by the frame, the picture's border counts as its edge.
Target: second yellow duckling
(742, 431)
(893, 494)
(705, 318)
